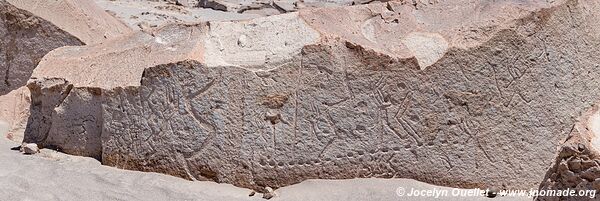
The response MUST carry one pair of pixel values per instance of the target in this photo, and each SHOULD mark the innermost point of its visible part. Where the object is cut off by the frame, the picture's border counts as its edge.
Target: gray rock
(76, 113)
(219, 5)
(30, 148)
(188, 3)
(25, 39)
(335, 93)
(285, 5)
(579, 152)
(269, 193)
(29, 29)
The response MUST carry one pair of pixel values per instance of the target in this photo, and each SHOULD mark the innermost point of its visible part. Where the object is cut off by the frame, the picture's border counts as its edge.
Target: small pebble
(29, 148)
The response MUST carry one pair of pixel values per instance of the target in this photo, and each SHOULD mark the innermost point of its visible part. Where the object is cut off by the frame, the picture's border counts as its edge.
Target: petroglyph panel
(326, 116)
(489, 110)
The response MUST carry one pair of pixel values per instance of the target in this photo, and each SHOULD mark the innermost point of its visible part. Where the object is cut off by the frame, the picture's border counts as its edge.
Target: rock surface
(29, 29)
(137, 13)
(380, 90)
(25, 39)
(29, 148)
(267, 7)
(68, 177)
(76, 113)
(14, 110)
(82, 19)
(577, 164)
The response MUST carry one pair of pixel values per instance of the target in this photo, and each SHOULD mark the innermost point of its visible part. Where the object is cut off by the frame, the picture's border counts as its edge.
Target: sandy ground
(51, 175)
(55, 176)
(374, 189)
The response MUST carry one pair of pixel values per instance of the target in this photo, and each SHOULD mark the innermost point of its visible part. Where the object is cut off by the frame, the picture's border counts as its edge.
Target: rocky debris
(29, 148)
(271, 7)
(156, 14)
(492, 192)
(285, 6)
(259, 9)
(577, 164)
(188, 3)
(219, 5)
(145, 27)
(251, 7)
(269, 193)
(378, 90)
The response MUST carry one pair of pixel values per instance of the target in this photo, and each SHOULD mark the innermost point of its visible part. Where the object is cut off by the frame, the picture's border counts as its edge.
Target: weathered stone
(25, 39)
(14, 110)
(285, 5)
(157, 14)
(76, 113)
(188, 3)
(575, 165)
(580, 152)
(596, 184)
(29, 29)
(82, 19)
(269, 193)
(481, 103)
(591, 173)
(586, 164)
(220, 5)
(30, 148)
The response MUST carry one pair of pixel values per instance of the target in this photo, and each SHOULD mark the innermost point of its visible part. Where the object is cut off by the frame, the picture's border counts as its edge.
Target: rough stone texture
(29, 148)
(82, 19)
(138, 14)
(188, 3)
(577, 164)
(382, 90)
(69, 118)
(29, 29)
(14, 110)
(24, 40)
(259, 7)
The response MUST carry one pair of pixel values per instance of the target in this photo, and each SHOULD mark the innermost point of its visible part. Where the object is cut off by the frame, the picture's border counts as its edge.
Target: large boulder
(82, 19)
(29, 29)
(68, 117)
(25, 39)
(380, 90)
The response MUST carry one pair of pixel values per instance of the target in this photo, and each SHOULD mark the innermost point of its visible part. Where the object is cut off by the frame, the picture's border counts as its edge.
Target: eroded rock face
(577, 164)
(14, 110)
(31, 29)
(377, 92)
(69, 118)
(82, 19)
(25, 39)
